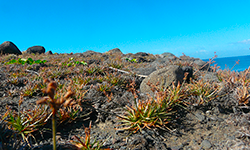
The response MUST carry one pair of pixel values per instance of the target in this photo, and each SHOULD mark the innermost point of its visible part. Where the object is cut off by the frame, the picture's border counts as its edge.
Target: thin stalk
(54, 129)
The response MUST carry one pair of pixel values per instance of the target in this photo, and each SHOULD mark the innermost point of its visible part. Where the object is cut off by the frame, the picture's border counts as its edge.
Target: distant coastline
(229, 62)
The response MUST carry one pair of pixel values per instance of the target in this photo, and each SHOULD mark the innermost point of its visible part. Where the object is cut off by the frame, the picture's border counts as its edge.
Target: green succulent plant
(23, 61)
(131, 60)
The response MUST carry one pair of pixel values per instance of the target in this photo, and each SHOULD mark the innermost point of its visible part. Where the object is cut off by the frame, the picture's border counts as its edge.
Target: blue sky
(196, 28)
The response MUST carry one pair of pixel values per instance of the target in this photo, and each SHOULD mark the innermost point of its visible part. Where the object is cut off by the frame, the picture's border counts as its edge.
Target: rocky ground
(222, 123)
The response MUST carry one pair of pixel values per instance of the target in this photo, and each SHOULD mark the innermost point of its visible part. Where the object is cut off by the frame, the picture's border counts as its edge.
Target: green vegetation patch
(23, 61)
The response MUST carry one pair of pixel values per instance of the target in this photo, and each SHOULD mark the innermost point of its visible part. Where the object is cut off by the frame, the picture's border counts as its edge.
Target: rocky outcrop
(166, 59)
(139, 57)
(8, 47)
(165, 77)
(147, 70)
(167, 54)
(115, 51)
(35, 50)
(202, 65)
(89, 53)
(140, 54)
(49, 53)
(197, 62)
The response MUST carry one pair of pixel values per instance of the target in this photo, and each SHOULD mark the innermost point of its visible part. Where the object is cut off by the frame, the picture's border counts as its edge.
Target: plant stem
(54, 130)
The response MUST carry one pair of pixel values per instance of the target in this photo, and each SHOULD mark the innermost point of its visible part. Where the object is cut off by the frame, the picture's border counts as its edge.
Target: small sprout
(131, 60)
(85, 143)
(69, 64)
(84, 63)
(77, 62)
(29, 61)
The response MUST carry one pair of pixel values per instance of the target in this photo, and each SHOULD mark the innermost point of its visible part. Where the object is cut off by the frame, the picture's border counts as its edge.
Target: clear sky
(196, 28)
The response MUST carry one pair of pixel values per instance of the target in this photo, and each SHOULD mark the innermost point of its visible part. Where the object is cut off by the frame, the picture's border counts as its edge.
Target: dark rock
(93, 61)
(140, 60)
(105, 57)
(165, 77)
(36, 49)
(8, 47)
(138, 142)
(141, 54)
(140, 57)
(49, 53)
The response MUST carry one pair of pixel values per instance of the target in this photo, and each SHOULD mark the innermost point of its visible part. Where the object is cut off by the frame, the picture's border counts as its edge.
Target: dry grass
(66, 82)
(202, 92)
(25, 122)
(86, 143)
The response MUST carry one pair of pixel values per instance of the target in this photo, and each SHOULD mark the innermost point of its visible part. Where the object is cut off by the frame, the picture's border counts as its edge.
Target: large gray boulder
(165, 77)
(167, 54)
(8, 47)
(35, 50)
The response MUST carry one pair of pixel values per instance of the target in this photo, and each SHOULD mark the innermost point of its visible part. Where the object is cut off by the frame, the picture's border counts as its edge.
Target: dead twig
(144, 76)
(31, 71)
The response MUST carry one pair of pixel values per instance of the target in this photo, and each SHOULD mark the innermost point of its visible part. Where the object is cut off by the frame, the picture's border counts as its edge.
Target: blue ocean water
(229, 62)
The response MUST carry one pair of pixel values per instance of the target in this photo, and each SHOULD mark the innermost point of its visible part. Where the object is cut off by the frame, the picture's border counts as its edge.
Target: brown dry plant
(55, 104)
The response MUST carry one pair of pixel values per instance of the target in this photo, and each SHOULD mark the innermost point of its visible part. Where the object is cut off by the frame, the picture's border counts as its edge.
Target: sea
(230, 63)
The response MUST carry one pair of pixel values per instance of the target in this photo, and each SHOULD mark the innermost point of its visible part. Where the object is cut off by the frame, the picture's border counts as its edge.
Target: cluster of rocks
(9, 47)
